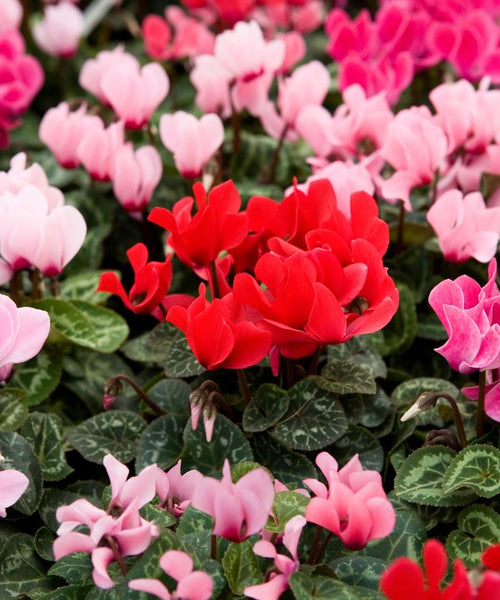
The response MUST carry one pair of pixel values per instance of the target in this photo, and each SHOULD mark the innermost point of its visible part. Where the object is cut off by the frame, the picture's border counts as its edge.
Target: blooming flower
(59, 32)
(13, 484)
(353, 505)
(11, 13)
(239, 509)
(98, 149)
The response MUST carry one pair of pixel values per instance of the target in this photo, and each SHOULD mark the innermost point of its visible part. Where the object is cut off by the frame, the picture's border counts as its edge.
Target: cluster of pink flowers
(408, 35)
(471, 316)
(36, 229)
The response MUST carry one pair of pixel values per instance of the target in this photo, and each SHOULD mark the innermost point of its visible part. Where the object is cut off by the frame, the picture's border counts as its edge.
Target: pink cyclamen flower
(135, 175)
(33, 234)
(23, 333)
(98, 149)
(181, 488)
(120, 527)
(416, 147)
(13, 484)
(11, 13)
(353, 505)
(193, 141)
(134, 94)
(239, 509)
(470, 315)
(62, 131)
(94, 69)
(252, 63)
(212, 83)
(191, 585)
(465, 226)
(285, 566)
(59, 32)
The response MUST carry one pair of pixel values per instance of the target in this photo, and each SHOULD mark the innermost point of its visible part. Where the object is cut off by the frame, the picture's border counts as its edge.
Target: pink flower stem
(242, 378)
(116, 553)
(480, 417)
(140, 392)
(276, 156)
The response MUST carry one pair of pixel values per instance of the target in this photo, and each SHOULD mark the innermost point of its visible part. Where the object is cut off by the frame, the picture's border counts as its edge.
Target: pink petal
(150, 586)
(177, 564)
(101, 558)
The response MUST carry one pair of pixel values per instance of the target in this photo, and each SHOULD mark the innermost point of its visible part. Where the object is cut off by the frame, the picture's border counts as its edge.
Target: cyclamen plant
(250, 270)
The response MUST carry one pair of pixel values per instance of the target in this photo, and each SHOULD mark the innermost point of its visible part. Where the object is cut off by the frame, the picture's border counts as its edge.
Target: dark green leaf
(359, 441)
(83, 287)
(367, 410)
(114, 432)
(38, 377)
(477, 468)
(305, 587)
(75, 568)
(195, 528)
(52, 499)
(13, 409)
(180, 361)
(286, 505)
(161, 442)
(357, 350)
(44, 540)
(269, 404)
(364, 571)
(314, 419)
(344, 377)
(110, 329)
(240, 567)
(172, 395)
(68, 321)
(68, 592)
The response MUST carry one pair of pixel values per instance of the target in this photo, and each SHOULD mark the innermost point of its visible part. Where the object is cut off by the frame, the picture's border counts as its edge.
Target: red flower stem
(276, 155)
(141, 393)
(480, 417)
(16, 290)
(214, 282)
(245, 390)
(314, 546)
(401, 227)
(116, 553)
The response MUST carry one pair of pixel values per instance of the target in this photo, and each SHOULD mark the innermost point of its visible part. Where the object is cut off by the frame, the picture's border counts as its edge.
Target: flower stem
(480, 417)
(36, 285)
(16, 290)
(401, 227)
(245, 390)
(140, 392)
(322, 548)
(116, 552)
(276, 155)
(213, 547)
(314, 546)
(236, 125)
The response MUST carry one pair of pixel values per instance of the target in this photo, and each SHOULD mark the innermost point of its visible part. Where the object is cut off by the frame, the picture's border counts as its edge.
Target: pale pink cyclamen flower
(98, 149)
(278, 582)
(94, 69)
(24, 331)
(353, 504)
(11, 14)
(181, 488)
(31, 234)
(20, 176)
(191, 585)
(251, 62)
(124, 528)
(470, 314)
(135, 175)
(135, 93)
(59, 32)
(212, 83)
(62, 131)
(416, 147)
(465, 226)
(239, 509)
(13, 484)
(192, 141)
(307, 86)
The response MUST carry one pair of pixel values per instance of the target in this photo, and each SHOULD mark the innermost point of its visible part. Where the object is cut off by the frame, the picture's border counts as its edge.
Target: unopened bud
(112, 389)
(424, 402)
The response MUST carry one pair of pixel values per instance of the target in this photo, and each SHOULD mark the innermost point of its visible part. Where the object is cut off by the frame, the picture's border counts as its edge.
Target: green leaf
(398, 336)
(180, 361)
(406, 539)
(343, 377)
(286, 505)
(110, 329)
(420, 478)
(359, 441)
(83, 287)
(38, 377)
(367, 410)
(114, 432)
(19, 455)
(13, 409)
(68, 321)
(242, 468)
(151, 346)
(52, 499)
(21, 571)
(478, 528)
(195, 527)
(358, 351)
(75, 568)
(44, 541)
(158, 515)
(305, 587)
(287, 466)
(161, 442)
(45, 434)
(172, 395)
(364, 571)
(208, 457)
(269, 404)
(314, 419)
(68, 592)
(476, 467)
(241, 567)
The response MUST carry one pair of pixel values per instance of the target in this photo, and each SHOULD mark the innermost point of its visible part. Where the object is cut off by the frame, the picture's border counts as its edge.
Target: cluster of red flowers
(285, 278)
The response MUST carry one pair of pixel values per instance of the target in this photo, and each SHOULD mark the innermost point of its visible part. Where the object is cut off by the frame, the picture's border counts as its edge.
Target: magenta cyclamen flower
(285, 566)
(120, 529)
(353, 504)
(13, 484)
(23, 332)
(470, 314)
(191, 585)
(239, 509)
